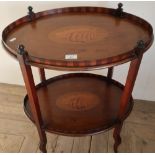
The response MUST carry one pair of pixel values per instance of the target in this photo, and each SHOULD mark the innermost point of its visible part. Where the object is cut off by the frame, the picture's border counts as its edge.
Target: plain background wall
(145, 84)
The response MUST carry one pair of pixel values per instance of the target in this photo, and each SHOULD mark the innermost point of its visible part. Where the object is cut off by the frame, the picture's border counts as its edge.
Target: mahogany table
(78, 39)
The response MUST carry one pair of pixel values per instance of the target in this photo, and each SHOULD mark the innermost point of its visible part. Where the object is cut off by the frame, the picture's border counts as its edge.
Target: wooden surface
(90, 36)
(94, 34)
(16, 131)
(79, 104)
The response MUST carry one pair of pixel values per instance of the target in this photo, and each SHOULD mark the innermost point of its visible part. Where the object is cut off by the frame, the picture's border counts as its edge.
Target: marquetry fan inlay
(77, 34)
(78, 101)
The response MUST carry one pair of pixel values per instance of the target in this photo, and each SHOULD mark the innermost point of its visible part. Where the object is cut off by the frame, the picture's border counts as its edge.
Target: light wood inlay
(78, 101)
(78, 34)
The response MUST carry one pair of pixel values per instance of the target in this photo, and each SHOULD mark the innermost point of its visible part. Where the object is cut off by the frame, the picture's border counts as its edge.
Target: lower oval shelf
(78, 104)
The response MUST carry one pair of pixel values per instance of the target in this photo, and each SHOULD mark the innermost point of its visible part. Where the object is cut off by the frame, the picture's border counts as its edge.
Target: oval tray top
(79, 38)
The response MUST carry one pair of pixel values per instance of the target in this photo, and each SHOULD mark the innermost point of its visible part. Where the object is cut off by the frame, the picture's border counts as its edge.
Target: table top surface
(79, 37)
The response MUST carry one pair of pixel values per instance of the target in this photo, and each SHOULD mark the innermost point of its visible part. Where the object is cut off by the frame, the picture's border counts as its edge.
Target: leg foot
(117, 136)
(43, 142)
(42, 147)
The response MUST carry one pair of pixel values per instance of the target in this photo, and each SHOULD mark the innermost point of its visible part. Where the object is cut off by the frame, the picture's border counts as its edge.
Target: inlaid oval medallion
(78, 101)
(77, 34)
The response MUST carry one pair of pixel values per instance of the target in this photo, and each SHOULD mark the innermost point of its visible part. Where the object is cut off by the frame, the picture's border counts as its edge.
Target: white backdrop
(145, 84)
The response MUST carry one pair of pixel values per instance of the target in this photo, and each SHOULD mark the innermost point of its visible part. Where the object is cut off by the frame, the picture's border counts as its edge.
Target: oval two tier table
(78, 39)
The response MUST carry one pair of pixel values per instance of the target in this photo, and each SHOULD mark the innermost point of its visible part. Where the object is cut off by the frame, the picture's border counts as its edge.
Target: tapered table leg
(33, 98)
(43, 142)
(131, 78)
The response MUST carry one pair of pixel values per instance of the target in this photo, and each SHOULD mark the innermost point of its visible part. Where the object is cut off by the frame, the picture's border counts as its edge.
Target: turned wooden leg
(117, 137)
(110, 72)
(42, 74)
(43, 142)
(126, 95)
(32, 94)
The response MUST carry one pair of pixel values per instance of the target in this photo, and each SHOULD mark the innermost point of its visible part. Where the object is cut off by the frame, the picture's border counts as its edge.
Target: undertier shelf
(79, 104)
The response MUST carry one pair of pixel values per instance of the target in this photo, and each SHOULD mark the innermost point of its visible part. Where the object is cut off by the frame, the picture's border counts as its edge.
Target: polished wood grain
(94, 34)
(16, 131)
(77, 106)
(78, 38)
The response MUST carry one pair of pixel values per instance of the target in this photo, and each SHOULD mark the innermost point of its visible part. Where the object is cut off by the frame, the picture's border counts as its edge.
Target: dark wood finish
(78, 104)
(131, 78)
(31, 90)
(117, 136)
(31, 14)
(42, 74)
(110, 72)
(119, 10)
(95, 34)
(87, 104)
